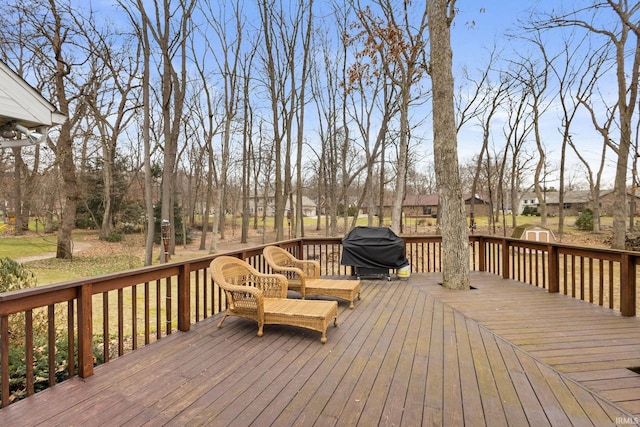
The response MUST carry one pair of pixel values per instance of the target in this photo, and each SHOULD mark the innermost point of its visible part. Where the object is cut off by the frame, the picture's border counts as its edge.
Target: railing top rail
(121, 279)
(562, 248)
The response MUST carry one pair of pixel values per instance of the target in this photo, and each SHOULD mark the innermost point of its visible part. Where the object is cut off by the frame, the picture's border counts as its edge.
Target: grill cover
(373, 247)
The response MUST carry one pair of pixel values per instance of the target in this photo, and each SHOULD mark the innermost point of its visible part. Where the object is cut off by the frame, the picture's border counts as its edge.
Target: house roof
(578, 196)
(421, 200)
(21, 104)
(424, 200)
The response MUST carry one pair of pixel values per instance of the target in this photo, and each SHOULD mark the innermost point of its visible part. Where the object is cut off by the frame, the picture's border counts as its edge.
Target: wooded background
(205, 106)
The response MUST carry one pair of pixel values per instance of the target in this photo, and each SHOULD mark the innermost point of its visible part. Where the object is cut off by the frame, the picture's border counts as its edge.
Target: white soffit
(20, 103)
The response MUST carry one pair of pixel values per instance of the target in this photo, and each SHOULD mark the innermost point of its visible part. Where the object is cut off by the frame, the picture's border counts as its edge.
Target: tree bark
(146, 137)
(455, 241)
(64, 147)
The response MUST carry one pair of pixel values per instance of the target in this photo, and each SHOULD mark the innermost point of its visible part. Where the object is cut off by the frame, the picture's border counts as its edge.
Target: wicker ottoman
(345, 289)
(314, 315)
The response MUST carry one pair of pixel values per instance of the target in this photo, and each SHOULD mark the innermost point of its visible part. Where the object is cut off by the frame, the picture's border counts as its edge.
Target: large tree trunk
(625, 109)
(70, 190)
(455, 241)
(108, 154)
(19, 165)
(208, 202)
(403, 152)
(146, 136)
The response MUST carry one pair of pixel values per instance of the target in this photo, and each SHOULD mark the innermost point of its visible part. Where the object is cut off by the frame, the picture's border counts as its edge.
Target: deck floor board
(410, 353)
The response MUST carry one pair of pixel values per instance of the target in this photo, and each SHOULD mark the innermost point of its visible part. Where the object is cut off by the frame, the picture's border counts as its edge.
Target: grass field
(109, 257)
(22, 247)
(105, 257)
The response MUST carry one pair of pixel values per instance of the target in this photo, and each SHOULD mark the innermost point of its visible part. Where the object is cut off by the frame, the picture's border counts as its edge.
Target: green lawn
(53, 270)
(21, 247)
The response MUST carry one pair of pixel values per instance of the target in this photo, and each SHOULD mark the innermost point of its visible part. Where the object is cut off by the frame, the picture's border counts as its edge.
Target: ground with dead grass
(93, 256)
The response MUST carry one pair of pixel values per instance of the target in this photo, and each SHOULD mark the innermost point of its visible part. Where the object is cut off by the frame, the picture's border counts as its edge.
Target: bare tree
(533, 74)
(281, 34)
(515, 157)
(146, 127)
(57, 38)
(399, 41)
(325, 87)
(372, 103)
(248, 143)
(603, 127)
(482, 103)
(576, 77)
(205, 106)
(455, 241)
(169, 26)
(495, 95)
(111, 104)
(344, 95)
(225, 49)
(297, 217)
(624, 37)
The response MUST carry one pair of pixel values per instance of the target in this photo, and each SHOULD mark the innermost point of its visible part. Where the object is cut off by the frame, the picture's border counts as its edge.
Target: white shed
(535, 233)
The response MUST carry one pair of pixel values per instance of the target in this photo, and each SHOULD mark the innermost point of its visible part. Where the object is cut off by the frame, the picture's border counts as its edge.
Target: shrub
(584, 221)
(351, 210)
(129, 227)
(115, 236)
(14, 276)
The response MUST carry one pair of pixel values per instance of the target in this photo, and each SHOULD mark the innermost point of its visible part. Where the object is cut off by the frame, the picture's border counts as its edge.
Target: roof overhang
(25, 116)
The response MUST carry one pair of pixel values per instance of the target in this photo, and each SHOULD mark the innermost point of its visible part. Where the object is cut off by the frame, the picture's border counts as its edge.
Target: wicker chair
(304, 276)
(263, 298)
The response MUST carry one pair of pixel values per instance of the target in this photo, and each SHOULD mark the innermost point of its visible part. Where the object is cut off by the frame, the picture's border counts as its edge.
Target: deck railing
(66, 329)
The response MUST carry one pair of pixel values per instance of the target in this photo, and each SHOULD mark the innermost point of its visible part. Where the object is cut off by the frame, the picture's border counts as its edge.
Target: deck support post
(184, 298)
(482, 253)
(506, 248)
(4, 360)
(628, 285)
(554, 269)
(300, 250)
(85, 331)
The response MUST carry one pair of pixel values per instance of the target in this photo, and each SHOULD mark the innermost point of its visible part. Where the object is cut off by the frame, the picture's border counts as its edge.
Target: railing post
(505, 258)
(4, 360)
(482, 253)
(85, 331)
(554, 269)
(184, 298)
(628, 285)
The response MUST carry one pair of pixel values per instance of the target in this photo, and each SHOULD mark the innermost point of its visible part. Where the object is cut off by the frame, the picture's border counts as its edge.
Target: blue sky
(477, 26)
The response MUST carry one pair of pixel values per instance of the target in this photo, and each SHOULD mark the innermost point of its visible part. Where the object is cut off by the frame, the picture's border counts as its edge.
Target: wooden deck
(411, 353)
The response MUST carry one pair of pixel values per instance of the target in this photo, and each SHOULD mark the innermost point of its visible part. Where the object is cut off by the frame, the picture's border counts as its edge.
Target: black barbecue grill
(373, 251)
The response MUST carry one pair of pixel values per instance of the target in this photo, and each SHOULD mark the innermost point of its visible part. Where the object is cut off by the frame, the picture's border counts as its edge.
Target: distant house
(417, 205)
(526, 200)
(268, 207)
(574, 202)
(607, 200)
